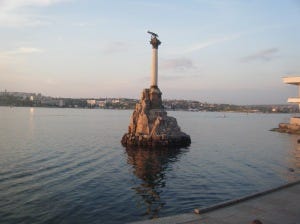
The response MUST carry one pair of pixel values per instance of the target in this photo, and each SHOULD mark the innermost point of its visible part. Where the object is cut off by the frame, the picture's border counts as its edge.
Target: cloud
(263, 55)
(14, 4)
(115, 47)
(24, 50)
(172, 77)
(179, 76)
(178, 64)
(50, 81)
(28, 50)
(8, 57)
(20, 19)
(205, 44)
(212, 42)
(14, 13)
(82, 24)
(178, 68)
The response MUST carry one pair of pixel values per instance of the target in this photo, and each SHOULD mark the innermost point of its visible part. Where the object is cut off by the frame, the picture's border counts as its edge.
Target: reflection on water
(150, 167)
(31, 110)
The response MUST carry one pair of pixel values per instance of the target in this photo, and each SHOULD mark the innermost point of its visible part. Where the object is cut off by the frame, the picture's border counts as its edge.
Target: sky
(217, 51)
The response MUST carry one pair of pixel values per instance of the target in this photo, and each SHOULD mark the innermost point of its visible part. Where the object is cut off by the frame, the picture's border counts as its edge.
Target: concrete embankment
(275, 206)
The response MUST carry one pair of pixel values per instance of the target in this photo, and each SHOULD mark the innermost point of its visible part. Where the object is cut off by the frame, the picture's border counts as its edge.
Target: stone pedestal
(150, 126)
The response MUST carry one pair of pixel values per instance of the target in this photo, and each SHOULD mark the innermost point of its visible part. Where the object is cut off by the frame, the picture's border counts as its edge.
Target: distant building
(115, 101)
(52, 102)
(48, 102)
(101, 103)
(3, 93)
(61, 103)
(91, 102)
(21, 94)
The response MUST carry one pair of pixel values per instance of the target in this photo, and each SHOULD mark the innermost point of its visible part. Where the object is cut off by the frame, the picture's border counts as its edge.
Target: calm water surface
(67, 165)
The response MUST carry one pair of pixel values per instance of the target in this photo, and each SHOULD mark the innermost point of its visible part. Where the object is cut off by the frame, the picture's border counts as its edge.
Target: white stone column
(298, 96)
(154, 68)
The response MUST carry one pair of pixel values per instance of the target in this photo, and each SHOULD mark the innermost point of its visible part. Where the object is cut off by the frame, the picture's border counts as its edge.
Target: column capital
(155, 42)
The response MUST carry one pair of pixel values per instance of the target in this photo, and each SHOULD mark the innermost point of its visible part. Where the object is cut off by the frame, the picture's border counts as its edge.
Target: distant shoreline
(130, 109)
(17, 99)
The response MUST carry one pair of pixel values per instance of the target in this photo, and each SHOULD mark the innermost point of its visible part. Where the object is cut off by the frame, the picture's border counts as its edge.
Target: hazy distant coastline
(38, 100)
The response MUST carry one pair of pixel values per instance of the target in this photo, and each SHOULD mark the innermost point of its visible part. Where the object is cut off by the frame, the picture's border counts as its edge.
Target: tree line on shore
(38, 100)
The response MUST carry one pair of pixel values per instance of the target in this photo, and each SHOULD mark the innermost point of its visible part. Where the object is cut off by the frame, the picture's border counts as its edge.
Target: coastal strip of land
(274, 206)
(22, 99)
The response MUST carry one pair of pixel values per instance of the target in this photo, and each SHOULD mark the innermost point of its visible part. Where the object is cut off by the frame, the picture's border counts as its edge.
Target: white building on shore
(294, 80)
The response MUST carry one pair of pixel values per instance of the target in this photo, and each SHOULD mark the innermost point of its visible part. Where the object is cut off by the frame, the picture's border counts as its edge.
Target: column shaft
(299, 96)
(154, 67)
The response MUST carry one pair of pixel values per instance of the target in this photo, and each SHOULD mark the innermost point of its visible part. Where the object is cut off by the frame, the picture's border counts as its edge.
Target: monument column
(150, 126)
(154, 68)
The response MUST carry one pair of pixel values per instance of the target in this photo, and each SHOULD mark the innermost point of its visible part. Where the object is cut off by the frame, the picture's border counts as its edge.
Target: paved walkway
(276, 206)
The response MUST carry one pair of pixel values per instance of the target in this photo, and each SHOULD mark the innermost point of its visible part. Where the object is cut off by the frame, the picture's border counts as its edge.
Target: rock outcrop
(287, 128)
(150, 126)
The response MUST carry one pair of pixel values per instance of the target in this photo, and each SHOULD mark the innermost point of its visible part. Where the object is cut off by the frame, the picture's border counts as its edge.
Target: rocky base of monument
(151, 127)
(162, 141)
(287, 128)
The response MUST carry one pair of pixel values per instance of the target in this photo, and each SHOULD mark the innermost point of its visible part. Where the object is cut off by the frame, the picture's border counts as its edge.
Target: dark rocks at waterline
(146, 141)
(291, 170)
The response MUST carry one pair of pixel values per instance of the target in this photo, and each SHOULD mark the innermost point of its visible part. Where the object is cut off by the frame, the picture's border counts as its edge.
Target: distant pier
(275, 206)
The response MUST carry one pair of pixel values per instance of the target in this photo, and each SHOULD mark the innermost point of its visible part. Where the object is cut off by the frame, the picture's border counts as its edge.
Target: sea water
(68, 166)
